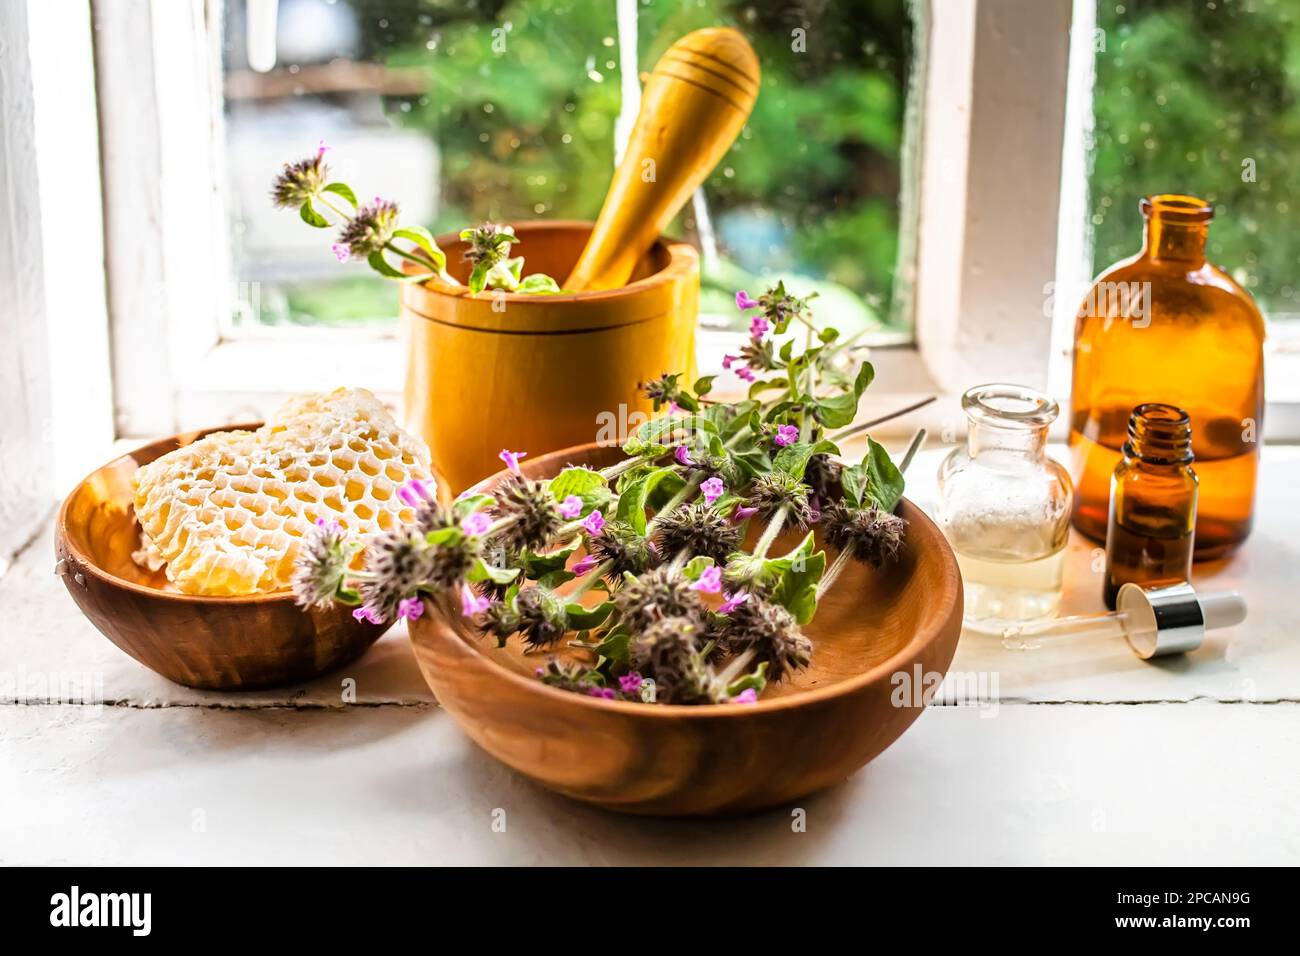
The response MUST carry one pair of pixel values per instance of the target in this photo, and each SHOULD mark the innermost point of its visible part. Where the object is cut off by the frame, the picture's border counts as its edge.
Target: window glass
(469, 111)
(1202, 98)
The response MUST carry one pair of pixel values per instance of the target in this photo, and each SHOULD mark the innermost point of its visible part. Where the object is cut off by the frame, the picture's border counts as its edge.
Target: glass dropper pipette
(1155, 620)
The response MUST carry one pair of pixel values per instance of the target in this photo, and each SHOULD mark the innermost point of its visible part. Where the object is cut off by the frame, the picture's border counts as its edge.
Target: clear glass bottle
(1168, 326)
(1005, 507)
(1152, 502)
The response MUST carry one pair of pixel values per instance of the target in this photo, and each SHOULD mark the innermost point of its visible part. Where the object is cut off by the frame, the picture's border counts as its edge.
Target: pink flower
(410, 608)
(758, 327)
(630, 683)
(744, 302)
(746, 373)
(368, 613)
(710, 581)
(322, 148)
(787, 435)
(476, 524)
(471, 603)
(341, 251)
(712, 489)
(746, 696)
(511, 458)
(742, 513)
(414, 493)
(585, 565)
(329, 525)
(571, 506)
(733, 601)
(674, 408)
(728, 359)
(604, 693)
(594, 522)
(683, 456)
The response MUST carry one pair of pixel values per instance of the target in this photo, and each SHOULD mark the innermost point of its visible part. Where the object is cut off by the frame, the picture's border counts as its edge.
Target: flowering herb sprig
(638, 572)
(373, 233)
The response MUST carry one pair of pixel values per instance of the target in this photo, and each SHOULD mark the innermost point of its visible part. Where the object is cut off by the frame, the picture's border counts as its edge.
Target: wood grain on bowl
(214, 643)
(800, 737)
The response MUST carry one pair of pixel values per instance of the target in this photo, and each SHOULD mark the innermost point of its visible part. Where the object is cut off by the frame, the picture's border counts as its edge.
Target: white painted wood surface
(1070, 764)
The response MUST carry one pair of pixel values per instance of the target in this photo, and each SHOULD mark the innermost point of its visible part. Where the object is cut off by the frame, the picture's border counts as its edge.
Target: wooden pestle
(692, 108)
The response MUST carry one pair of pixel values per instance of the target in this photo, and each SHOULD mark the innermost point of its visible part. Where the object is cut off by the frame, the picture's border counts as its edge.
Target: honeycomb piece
(228, 512)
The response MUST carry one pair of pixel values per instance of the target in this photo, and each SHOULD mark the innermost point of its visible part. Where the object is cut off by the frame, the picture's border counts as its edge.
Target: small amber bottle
(1152, 523)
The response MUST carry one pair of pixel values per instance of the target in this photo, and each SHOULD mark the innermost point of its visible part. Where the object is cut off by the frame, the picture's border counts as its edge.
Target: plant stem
(613, 471)
(770, 532)
(858, 429)
(687, 490)
(832, 573)
(917, 441)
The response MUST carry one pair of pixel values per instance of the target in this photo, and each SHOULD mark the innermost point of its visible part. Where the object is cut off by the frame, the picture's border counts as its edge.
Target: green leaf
(463, 507)
(632, 500)
(636, 448)
(584, 617)
(695, 567)
(838, 411)
(553, 579)
(659, 428)
(344, 190)
(616, 645)
(755, 681)
(445, 536)
(539, 565)
(796, 589)
(884, 481)
(539, 284)
(703, 385)
(424, 239)
(380, 265)
(577, 481)
(478, 278)
(793, 459)
(482, 571)
(311, 217)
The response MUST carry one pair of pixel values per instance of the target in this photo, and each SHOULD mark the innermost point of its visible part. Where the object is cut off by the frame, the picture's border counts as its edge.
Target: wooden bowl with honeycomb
(212, 643)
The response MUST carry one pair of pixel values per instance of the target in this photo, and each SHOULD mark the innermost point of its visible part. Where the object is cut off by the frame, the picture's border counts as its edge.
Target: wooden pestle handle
(692, 108)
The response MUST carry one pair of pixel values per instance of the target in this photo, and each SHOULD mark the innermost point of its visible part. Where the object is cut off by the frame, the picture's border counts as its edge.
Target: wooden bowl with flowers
(716, 617)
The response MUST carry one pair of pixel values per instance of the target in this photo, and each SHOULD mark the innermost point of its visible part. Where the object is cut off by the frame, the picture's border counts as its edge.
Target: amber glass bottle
(1152, 516)
(1166, 326)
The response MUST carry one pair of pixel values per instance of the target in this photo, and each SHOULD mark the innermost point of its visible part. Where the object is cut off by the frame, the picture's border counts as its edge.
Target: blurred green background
(1203, 98)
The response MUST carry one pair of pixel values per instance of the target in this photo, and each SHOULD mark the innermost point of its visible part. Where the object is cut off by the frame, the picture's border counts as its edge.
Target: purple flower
(604, 693)
(410, 608)
(744, 302)
(511, 458)
(746, 373)
(414, 492)
(746, 696)
(710, 581)
(571, 506)
(322, 148)
(787, 435)
(674, 408)
(329, 525)
(585, 565)
(368, 613)
(471, 603)
(342, 251)
(683, 456)
(712, 489)
(594, 522)
(630, 683)
(742, 513)
(728, 359)
(476, 524)
(758, 327)
(733, 601)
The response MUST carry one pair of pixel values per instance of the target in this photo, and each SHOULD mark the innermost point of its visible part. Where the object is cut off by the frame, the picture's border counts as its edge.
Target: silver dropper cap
(1173, 618)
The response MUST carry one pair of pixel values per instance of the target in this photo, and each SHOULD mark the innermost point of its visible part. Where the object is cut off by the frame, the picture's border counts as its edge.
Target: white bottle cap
(1173, 618)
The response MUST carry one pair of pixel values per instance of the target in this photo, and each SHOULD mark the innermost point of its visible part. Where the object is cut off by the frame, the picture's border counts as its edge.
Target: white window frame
(999, 193)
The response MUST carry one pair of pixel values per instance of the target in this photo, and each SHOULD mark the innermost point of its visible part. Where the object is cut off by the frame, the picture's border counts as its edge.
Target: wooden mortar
(537, 372)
